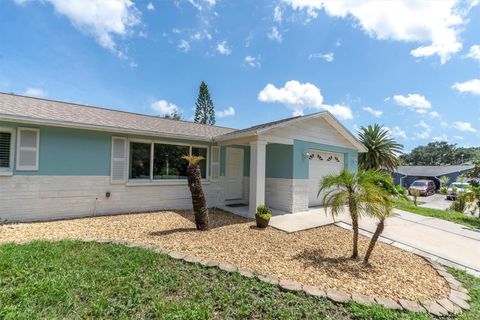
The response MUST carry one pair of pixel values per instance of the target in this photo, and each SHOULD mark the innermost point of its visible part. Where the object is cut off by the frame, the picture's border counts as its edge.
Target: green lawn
(77, 280)
(453, 216)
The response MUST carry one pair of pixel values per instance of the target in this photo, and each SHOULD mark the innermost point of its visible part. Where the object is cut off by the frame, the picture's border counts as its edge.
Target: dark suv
(424, 187)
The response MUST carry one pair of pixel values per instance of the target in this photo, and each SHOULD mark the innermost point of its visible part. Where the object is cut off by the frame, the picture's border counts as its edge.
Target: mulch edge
(456, 302)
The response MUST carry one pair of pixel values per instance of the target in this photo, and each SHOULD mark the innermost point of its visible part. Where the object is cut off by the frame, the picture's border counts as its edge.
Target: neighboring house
(406, 175)
(61, 159)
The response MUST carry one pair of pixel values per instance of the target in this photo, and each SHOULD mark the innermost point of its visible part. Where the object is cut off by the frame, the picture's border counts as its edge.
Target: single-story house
(406, 175)
(60, 159)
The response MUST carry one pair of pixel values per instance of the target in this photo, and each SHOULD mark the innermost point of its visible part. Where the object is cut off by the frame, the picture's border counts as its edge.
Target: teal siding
(300, 164)
(246, 159)
(279, 161)
(73, 152)
(76, 152)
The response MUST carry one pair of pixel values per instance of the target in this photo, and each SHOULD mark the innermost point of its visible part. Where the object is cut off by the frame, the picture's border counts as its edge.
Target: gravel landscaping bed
(316, 257)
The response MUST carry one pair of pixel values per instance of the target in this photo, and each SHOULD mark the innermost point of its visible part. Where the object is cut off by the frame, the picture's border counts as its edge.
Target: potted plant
(262, 216)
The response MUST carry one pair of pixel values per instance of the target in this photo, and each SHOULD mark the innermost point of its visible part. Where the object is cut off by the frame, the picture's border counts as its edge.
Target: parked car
(455, 188)
(424, 187)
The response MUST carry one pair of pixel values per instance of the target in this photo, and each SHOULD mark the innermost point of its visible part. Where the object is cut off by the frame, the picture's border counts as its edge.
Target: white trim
(217, 162)
(151, 181)
(36, 149)
(9, 171)
(67, 124)
(112, 160)
(324, 114)
(257, 175)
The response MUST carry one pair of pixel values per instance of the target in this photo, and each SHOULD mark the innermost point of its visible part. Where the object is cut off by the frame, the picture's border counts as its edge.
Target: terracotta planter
(262, 223)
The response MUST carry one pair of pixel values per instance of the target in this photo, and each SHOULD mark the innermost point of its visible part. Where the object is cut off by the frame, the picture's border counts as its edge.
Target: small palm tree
(359, 191)
(387, 210)
(444, 180)
(200, 208)
(415, 194)
(382, 149)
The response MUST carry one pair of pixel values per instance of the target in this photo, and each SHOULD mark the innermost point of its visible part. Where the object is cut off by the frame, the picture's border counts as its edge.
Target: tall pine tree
(205, 111)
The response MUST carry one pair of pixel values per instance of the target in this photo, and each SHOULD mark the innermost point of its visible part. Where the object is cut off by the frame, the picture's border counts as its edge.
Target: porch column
(257, 175)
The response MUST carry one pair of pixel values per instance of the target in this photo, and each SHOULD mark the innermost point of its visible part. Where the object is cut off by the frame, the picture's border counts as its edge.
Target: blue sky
(413, 66)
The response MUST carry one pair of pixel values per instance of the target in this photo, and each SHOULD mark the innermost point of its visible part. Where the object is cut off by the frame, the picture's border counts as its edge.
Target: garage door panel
(321, 164)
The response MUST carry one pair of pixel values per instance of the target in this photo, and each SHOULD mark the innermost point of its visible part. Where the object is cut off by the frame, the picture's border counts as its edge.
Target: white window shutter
(28, 145)
(119, 160)
(215, 163)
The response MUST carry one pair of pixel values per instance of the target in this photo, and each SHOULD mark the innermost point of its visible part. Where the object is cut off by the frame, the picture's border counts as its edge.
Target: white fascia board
(66, 124)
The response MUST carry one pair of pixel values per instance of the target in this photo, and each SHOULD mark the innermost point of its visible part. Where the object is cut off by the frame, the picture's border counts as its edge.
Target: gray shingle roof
(36, 109)
(262, 126)
(431, 171)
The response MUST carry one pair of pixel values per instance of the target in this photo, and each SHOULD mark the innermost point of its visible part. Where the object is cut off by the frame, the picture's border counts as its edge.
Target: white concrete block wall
(55, 197)
(290, 195)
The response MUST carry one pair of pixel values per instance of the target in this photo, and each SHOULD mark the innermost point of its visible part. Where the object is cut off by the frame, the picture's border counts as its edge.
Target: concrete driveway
(436, 201)
(443, 241)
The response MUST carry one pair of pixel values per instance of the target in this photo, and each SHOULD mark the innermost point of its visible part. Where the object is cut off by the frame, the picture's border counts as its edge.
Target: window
(197, 151)
(6, 150)
(28, 149)
(140, 160)
(168, 162)
(162, 161)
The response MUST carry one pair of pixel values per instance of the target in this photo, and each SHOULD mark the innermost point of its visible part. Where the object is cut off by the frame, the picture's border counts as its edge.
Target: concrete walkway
(443, 241)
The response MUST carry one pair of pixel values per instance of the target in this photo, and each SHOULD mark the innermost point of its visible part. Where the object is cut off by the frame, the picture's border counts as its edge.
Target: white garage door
(320, 164)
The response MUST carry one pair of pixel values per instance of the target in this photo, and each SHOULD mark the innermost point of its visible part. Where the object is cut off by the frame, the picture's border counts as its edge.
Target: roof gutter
(68, 124)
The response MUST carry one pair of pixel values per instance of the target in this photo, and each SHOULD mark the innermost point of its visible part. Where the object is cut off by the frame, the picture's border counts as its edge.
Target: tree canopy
(382, 149)
(175, 115)
(440, 153)
(204, 109)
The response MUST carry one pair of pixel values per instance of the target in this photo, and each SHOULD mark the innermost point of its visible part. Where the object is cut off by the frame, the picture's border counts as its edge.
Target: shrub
(464, 202)
(443, 190)
(264, 212)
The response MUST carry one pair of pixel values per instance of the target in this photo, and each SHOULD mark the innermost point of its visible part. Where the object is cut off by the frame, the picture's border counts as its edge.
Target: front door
(234, 174)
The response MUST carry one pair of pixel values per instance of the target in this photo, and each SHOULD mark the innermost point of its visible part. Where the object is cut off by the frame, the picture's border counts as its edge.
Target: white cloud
(474, 52)
(470, 86)
(35, 92)
(302, 96)
(433, 24)
(340, 111)
(277, 14)
(275, 35)
(325, 56)
(425, 133)
(373, 112)
(253, 62)
(199, 6)
(223, 48)
(458, 137)
(442, 137)
(415, 101)
(197, 36)
(229, 112)
(464, 126)
(104, 20)
(163, 107)
(184, 45)
(434, 114)
(150, 6)
(396, 132)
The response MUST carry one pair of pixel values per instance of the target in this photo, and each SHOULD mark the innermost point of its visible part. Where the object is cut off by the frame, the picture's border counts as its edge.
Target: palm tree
(387, 209)
(359, 191)
(382, 149)
(200, 208)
